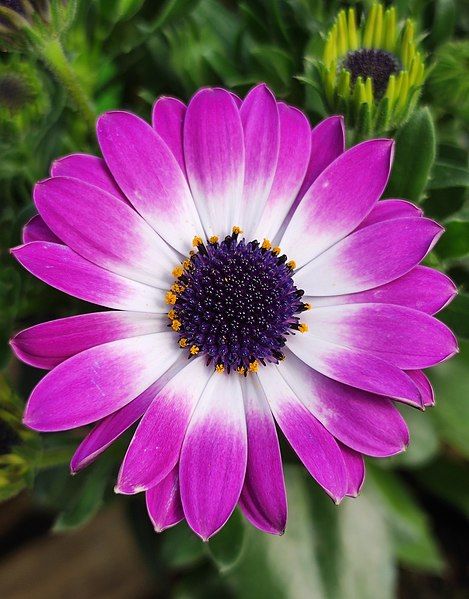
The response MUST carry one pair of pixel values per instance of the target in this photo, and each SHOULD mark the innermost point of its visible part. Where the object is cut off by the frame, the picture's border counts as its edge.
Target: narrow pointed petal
(213, 457)
(261, 127)
(164, 502)
(150, 176)
(294, 151)
(98, 381)
(424, 386)
(355, 367)
(48, 344)
(168, 121)
(263, 500)
(104, 231)
(327, 144)
(422, 288)
(315, 446)
(90, 169)
(348, 188)
(364, 422)
(214, 156)
(156, 444)
(355, 465)
(370, 257)
(389, 209)
(37, 230)
(59, 266)
(406, 338)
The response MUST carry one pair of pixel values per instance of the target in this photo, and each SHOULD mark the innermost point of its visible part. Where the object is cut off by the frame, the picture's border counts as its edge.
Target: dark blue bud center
(374, 63)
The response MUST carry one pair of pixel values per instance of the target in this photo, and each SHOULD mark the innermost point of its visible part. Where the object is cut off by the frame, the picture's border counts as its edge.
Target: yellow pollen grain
(183, 342)
(307, 306)
(197, 241)
(213, 239)
(254, 366)
(186, 264)
(172, 314)
(219, 368)
(276, 250)
(194, 350)
(303, 327)
(178, 271)
(177, 288)
(237, 230)
(170, 298)
(291, 264)
(240, 370)
(266, 245)
(176, 325)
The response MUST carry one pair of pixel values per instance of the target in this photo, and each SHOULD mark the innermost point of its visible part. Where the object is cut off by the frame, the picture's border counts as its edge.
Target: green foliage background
(124, 53)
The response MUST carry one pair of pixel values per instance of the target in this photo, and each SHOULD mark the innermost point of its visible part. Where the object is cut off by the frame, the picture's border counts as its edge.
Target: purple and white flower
(322, 342)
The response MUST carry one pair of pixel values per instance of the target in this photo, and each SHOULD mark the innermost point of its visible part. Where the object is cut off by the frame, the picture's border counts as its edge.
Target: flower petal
(370, 257)
(48, 344)
(315, 446)
(364, 422)
(355, 367)
(263, 499)
(90, 169)
(406, 338)
(98, 381)
(294, 150)
(355, 465)
(164, 502)
(148, 173)
(168, 121)
(389, 209)
(59, 266)
(213, 456)
(214, 155)
(422, 288)
(424, 386)
(260, 119)
(348, 189)
(37, 230)
(156, 444)
(104, 231)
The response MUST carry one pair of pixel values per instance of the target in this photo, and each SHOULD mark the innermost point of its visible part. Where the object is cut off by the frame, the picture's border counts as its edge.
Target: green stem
(53, 55)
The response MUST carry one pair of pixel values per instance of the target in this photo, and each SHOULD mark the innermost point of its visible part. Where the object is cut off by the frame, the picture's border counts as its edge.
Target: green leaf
(226, 547)
(443, 21)
(456, 315)
(454, 243)
(415, 153)
(451, 414)
(445, 174)
(413, 540)
(180, 547)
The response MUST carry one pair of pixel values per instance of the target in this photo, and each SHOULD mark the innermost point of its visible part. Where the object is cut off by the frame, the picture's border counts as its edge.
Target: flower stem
(54, 56)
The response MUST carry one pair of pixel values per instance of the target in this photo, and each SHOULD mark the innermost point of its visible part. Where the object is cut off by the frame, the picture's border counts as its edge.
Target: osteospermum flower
(372, 73)
(255, 278)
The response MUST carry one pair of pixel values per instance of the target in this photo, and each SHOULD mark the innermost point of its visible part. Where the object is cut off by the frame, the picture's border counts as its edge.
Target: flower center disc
(370, 62)
(235, 302)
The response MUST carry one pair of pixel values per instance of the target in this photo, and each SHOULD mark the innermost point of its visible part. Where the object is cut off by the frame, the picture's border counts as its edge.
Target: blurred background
(407, 534)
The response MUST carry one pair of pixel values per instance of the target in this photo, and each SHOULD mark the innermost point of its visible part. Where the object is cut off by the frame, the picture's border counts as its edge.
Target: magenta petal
(90, 169)
(294, 150)
(389, 209)
(263, 499)
(59, 266)
(48, 344)
(214, 155)
(168, 121)
(370, 257)
(149, 174)
(104, 231)
(327, 143)
(261, 127)
(422, 288)
(348, 188)
(37, 230)
(156, 444)
(406, 338)
(365, 422)
(213, 456)
(355, 465)
(164, 502)
(98, 381)
(424, 386)
(315, 446)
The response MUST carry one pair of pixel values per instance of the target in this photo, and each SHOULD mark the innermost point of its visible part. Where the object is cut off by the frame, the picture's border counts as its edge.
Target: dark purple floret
(237, 305)
(370, 62)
